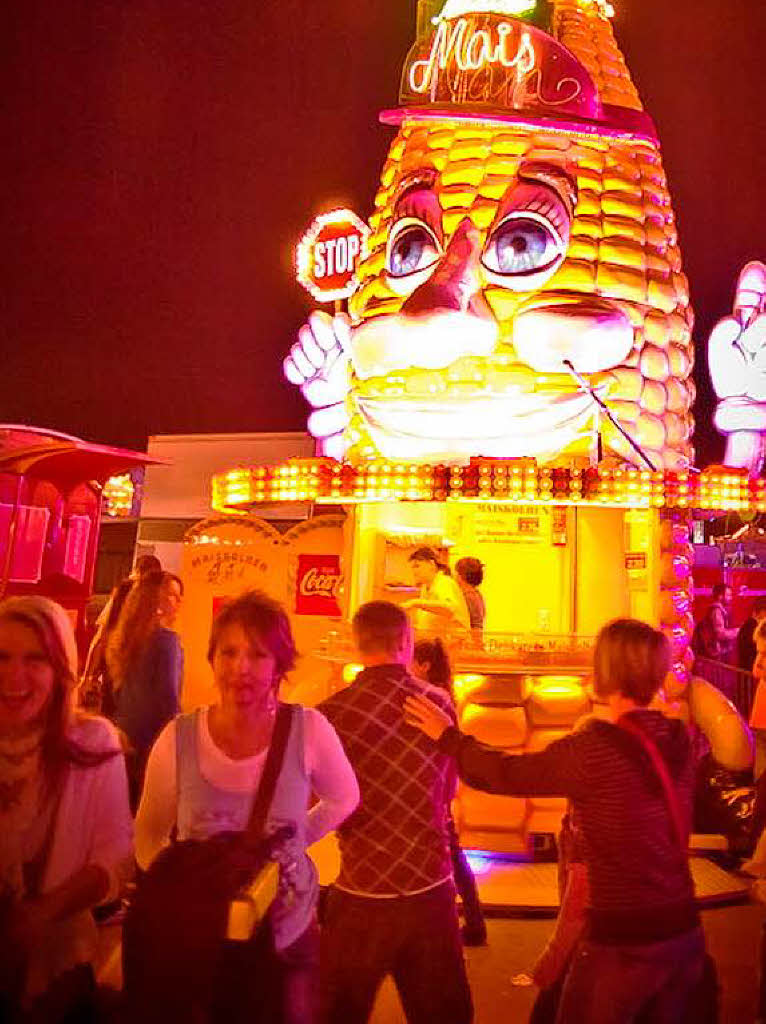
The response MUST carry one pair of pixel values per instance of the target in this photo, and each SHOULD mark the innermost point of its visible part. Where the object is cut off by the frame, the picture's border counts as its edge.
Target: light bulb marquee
(325, 481)
(118, 496)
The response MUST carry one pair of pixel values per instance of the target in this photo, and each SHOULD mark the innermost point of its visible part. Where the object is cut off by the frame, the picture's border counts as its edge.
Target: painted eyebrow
(415, 182)
(554, 176)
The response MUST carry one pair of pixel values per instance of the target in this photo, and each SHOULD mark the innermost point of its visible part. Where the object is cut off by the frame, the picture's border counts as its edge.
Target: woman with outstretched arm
(630, 780)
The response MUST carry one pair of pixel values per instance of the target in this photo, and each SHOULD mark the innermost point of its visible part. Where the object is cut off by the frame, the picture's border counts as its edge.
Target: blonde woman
(65, 825)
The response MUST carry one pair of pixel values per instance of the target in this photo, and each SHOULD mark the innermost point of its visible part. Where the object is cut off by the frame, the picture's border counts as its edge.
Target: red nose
(455, 284)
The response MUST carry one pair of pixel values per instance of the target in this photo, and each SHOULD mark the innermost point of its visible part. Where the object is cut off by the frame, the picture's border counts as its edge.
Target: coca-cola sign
(316, 585)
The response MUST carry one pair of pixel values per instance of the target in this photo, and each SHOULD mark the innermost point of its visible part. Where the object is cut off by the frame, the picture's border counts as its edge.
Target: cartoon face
(498, 256)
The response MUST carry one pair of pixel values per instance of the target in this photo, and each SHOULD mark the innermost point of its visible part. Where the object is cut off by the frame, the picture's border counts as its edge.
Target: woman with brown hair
(96, 689)
(201, 777)
(65, 825)
(145, 662)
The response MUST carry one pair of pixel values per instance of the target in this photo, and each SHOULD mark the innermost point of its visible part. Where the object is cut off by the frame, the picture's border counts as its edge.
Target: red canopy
(62, 459)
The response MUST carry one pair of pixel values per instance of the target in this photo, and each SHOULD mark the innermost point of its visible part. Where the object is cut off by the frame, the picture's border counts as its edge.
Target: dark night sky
(165, 156)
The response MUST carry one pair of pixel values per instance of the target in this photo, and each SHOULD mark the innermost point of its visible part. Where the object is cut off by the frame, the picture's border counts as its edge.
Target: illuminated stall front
(564, 551)
(512, 380)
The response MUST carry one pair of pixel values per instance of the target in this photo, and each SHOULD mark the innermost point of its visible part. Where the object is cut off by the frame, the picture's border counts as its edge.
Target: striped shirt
(395, 843)
(641, 888)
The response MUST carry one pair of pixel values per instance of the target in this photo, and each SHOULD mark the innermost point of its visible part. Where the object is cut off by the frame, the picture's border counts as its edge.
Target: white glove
(737, 361)
(319, 364)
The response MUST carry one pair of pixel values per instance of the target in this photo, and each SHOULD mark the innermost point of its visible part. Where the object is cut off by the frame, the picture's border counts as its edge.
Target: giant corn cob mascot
(522, 237)
(522, 292)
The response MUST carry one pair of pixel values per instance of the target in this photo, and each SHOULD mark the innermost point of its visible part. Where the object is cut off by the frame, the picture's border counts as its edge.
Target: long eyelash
(546, 208)
(410, 207)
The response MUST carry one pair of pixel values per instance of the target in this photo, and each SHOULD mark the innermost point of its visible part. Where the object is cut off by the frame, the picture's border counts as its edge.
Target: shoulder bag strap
(658, 763)
(271, 770)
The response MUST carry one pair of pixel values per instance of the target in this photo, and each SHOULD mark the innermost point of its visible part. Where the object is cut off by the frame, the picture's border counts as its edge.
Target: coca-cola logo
(317, 582)
(317, 585)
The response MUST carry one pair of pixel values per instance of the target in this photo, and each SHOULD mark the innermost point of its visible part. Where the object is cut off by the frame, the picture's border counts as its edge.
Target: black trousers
(415, 939)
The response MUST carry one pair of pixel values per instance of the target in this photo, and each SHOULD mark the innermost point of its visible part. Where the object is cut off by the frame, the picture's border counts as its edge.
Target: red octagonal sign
(329, 253)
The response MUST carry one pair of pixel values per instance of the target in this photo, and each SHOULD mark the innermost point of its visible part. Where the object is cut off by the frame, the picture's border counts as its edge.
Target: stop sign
(328, 255)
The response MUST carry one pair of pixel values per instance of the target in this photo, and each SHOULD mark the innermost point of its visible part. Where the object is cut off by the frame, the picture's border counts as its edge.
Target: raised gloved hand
(737, 360)
(319, 364)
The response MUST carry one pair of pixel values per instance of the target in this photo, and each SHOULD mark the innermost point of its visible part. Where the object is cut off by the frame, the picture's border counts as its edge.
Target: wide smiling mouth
(483, 414)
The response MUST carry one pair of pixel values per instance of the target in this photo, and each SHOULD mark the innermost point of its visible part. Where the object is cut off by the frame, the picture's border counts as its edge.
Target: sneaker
(474, 936)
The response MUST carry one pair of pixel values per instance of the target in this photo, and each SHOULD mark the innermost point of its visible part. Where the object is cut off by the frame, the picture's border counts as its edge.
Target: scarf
(22, 826)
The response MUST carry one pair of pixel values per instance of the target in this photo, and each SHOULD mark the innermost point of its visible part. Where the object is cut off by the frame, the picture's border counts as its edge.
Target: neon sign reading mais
(470, 52)
(490, 62)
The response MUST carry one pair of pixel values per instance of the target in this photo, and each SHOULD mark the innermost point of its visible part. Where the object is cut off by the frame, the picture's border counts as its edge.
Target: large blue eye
(522, 245)
(412, 247)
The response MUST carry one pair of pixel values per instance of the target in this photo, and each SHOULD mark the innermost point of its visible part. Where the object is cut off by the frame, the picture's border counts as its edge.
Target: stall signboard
(328, 255)
(301, 569)
(511, 524)
(228, 567)
(317, 582)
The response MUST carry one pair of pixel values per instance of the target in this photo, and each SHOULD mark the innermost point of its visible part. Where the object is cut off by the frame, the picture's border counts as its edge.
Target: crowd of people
(377, 762)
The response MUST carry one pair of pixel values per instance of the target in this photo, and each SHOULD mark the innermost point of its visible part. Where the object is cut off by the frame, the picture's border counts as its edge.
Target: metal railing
(735, 683)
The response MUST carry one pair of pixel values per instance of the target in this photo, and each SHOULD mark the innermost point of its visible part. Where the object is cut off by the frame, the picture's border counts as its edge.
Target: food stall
(512, 381)
(560, 559)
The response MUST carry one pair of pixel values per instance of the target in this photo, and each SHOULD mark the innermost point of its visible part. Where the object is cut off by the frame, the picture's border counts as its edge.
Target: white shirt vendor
(440, 605)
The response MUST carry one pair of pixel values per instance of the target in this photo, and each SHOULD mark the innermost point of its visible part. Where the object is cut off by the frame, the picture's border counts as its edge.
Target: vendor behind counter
(440, 605)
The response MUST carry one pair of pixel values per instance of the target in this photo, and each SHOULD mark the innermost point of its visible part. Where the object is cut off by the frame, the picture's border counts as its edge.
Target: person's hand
(737, 361)
(426, 716)
(318, 363)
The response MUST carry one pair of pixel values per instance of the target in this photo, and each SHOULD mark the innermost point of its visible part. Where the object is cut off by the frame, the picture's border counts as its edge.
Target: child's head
(431, 663)
(631, 660)
(471, 570)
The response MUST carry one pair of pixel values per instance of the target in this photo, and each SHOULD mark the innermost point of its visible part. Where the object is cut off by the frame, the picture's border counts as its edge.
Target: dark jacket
(641, 888)
(148, 697)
